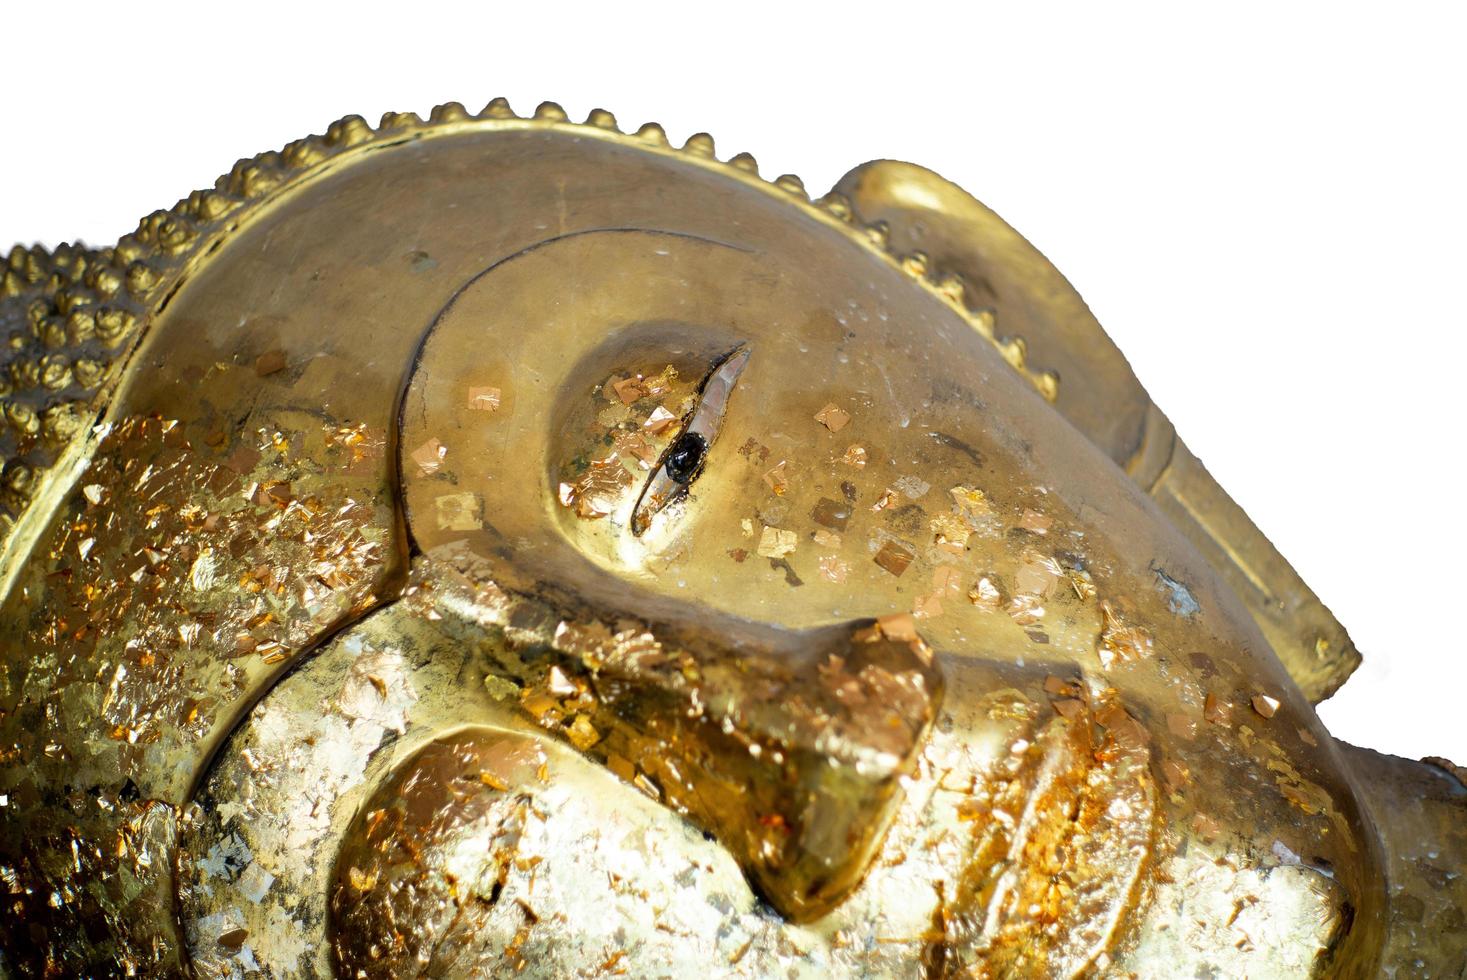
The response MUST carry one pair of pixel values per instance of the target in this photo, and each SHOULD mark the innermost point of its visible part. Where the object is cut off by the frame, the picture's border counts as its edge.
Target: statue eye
(684, 459)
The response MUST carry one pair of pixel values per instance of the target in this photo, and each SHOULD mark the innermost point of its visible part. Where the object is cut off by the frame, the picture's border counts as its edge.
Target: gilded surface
(337, 640)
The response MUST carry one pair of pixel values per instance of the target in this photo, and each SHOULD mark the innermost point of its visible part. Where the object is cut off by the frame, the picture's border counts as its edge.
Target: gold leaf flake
(947, 579)
(1035, 522)
(826, 539)
(1025, 610)
(660, 383)
(777, 479)
(360, 880)
(1216, 711)
(1036, 577)
(911, 487)
(776, 542)
(429, 456)
(985, 593)
(855, 456)
(582, 733)
(460, 512)
(1120, 643)
(898, 626)
(893, 558)
(833, 417)
(887, 498)
(482, 399)
(660, 419)
(832, 569)
(1182, 726)
(970, 500)
(950, 533)
(927, 606)
(628, 390)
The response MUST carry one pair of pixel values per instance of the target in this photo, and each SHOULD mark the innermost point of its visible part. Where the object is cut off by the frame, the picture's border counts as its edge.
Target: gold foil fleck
(950, 533)
(1119, 642)
(1035, 522)
(985, 593)
(597, 491)
(429, 456)
(1036, 577)
(832, 569)
(947, 580)
(893, 558)
(969, 500)
(833, 417)
(460, 512)
(855, 456)
(484, 399)
(660, 383)
(660, 419)
(1026, 610)
(898, 626)
(1070, 708)
(1265, 705)
(927, 606)
(633, 445)
(1082, 583)
(834, 514)
(912, 487)
(629, 390)
(826, 539)
(776, 542)
(777, 479)
(1217, 711)
(582, 733)
(1182, 726)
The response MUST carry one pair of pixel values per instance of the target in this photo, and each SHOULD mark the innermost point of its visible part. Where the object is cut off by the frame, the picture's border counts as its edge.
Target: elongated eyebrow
(683, 460)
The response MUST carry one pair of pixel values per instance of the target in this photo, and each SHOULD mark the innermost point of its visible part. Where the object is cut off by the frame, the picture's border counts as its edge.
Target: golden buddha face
(723, 474)
(739, 606)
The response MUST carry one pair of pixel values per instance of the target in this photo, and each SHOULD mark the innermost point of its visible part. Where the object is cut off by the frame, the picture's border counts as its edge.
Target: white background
(1264, 204)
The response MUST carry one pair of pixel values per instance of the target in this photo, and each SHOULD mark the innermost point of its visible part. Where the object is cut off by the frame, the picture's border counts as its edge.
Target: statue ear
(1031, 299)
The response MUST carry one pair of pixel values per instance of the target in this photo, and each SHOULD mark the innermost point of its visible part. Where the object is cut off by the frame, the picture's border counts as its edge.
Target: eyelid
(705, 421)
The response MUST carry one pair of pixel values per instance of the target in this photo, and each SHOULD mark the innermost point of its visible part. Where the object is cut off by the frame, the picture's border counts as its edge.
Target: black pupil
(686, 456)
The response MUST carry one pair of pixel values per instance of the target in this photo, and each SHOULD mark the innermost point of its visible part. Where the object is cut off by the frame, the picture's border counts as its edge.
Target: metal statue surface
(507, 546)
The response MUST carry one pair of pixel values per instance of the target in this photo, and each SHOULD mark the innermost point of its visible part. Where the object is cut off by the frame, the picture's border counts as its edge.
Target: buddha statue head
(508, 545)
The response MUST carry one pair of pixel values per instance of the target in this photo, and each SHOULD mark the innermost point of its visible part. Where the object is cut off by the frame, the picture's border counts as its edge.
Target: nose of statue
(788, 747)
(789, 750)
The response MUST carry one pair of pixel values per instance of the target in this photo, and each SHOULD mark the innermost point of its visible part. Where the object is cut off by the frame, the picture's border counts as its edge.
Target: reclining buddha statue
(503, 546)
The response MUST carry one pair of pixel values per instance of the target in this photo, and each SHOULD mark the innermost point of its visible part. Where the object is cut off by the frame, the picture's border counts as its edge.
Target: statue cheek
(431, 874)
